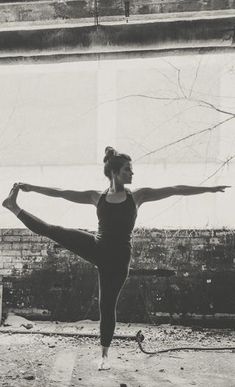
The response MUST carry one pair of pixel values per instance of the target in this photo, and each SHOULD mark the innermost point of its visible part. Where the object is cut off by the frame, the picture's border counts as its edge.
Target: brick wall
(21, 251)
(39, 274)
(186, 249)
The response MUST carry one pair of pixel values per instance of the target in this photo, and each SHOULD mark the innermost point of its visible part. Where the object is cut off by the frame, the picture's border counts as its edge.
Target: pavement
(67, 361)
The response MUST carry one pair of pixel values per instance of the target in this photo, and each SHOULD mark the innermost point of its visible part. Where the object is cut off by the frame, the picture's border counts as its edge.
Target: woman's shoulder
(138, 195)
(96, 195)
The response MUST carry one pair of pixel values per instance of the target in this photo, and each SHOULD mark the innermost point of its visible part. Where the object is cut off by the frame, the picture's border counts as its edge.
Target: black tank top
(116, 220)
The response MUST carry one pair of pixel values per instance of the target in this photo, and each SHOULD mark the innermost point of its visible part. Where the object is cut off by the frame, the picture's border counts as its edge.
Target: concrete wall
(52, 10)
(38, 274)
(116, 38)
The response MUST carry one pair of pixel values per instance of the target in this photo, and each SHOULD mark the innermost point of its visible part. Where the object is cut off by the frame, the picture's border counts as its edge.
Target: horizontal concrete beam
(115, 55)
(116, 39)
(20, 11)
(65, 334)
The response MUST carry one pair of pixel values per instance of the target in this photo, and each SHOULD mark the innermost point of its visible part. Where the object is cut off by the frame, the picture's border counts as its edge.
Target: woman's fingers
(222, 188)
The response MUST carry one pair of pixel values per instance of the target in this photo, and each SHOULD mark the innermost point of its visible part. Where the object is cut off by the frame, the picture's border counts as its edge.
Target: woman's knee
(107, 307)
(51, 230)
(107, 310)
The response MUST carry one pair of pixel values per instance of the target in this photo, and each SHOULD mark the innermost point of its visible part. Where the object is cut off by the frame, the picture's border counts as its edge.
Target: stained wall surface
(41, 278)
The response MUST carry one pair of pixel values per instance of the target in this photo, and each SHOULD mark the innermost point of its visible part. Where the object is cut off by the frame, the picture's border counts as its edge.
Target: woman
(110, 249)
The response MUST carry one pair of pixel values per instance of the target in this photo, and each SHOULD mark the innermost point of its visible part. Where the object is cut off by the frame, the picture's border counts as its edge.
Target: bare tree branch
(211, 106)
(195, 78)
(226, 162)
(148, 134)
(185, 98)
(179, 83)
(185, 138)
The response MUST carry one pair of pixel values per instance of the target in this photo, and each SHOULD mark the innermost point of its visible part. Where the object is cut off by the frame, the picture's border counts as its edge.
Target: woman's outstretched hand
(25, 187)
(220, 188)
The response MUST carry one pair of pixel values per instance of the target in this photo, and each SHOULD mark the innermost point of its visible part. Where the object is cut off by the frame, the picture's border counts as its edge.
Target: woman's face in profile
(125, 174)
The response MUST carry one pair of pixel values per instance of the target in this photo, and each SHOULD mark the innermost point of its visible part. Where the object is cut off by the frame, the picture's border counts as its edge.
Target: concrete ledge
(66, 334)
(61, 57)
(217, 320)
(109, 39)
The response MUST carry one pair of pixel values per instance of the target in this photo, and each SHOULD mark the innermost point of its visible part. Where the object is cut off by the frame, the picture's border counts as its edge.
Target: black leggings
(112, 273)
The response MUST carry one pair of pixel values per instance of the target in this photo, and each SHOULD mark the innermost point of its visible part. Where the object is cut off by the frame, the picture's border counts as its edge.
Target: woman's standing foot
(104, 364)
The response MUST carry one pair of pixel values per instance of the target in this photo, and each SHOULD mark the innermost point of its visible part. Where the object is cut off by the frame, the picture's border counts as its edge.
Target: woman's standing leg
(110, 280)
(110, 285)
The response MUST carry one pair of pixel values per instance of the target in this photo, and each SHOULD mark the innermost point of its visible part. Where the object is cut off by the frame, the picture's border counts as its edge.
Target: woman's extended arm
(83, 197)
(150, 194)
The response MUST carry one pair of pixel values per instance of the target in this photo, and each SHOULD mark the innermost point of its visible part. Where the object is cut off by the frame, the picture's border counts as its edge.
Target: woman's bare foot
(104, 364)
(10, 201)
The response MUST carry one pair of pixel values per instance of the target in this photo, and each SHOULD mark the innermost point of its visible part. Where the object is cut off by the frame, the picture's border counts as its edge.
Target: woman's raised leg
(79, 242)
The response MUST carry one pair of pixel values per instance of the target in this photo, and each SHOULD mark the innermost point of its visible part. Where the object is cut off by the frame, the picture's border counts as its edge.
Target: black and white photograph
(117, 176)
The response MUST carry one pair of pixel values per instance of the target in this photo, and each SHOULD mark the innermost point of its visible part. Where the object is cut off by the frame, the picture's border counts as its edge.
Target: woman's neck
(116, 188)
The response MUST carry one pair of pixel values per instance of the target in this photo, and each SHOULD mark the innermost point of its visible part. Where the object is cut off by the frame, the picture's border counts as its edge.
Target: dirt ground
(60, 361)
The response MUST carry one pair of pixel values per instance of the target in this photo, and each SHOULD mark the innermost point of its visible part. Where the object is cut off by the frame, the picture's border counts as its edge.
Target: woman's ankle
(17, 211)
(105, 351)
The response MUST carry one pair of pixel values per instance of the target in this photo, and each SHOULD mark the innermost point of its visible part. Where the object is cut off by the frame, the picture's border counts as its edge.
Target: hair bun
(109, 153)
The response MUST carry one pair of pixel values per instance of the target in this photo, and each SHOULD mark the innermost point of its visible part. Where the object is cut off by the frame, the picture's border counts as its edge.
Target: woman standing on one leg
(110, 249)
